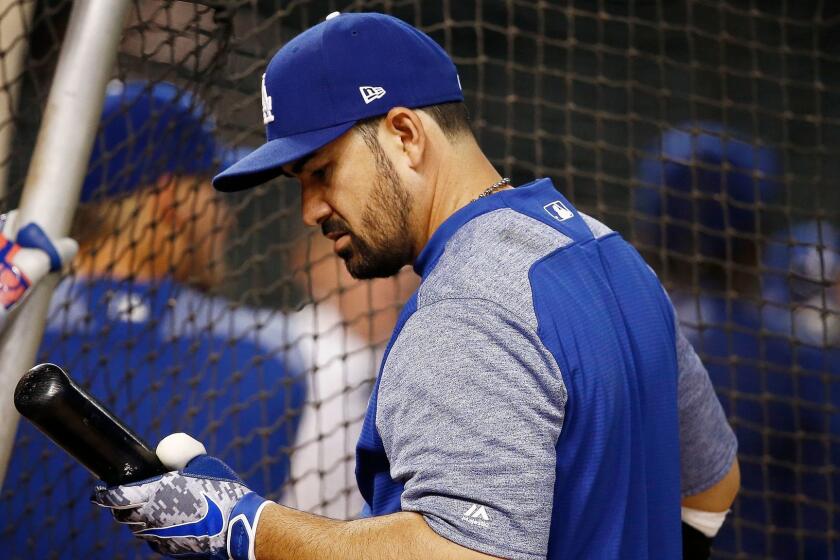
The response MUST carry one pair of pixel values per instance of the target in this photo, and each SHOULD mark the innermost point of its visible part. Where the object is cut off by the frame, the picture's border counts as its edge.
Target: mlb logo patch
(558, 211)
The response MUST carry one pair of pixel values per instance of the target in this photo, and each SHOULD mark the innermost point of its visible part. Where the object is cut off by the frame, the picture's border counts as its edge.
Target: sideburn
(386, 246)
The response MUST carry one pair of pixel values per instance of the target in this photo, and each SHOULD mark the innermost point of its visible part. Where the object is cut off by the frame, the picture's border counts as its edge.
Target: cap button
(332, 15)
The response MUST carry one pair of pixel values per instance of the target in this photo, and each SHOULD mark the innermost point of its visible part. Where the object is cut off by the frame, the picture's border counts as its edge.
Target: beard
(385, 247)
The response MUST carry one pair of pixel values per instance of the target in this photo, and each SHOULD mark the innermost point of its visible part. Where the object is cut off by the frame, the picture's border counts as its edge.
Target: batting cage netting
(706, 132)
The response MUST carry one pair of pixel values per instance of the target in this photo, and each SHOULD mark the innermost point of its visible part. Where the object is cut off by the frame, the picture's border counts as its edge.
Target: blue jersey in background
(163, 358)
(775, 362)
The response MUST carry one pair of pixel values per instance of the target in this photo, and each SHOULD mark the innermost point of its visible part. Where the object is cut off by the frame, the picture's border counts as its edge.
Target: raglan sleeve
(469, 409)
(707, 443)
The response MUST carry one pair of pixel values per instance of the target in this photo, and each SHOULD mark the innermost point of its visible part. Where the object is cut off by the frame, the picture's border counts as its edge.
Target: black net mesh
(706, 132)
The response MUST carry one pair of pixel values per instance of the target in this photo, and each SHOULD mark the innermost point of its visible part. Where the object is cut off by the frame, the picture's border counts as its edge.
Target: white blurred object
(343, 366)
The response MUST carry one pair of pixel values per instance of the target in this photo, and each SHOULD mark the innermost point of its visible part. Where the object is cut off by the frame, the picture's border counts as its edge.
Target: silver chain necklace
(493, 188)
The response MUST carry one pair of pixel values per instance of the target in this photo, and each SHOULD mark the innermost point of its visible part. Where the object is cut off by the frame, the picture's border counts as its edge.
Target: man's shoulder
(490, 258)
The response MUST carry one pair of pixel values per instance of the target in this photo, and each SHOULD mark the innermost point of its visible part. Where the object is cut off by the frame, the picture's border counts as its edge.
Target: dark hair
(453, 119)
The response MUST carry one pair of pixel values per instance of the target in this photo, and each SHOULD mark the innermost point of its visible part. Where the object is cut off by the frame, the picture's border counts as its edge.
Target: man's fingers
(120, 497)
(130, 517)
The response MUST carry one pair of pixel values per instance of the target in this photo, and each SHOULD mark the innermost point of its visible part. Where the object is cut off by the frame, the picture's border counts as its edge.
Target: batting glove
(202, 510)
(26, 256)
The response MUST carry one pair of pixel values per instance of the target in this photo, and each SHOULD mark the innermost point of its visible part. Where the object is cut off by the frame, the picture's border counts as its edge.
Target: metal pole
(56, 172)
(15, 23)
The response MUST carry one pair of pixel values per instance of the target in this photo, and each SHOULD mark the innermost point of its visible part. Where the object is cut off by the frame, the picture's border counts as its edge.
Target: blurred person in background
(765, 321)
(697, 214)
(341, 332)
(799, 392)
(697, 209)
(780, 376)
(138, 327)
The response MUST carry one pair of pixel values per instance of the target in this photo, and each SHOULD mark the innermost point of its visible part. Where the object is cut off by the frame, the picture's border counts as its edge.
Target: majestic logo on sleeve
(371, 93)
(477, 515)
(558, 211)
(268, 116)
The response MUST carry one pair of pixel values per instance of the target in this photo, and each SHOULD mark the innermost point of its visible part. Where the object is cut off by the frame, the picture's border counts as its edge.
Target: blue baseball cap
(702, 176)
(345, 69)
(148, 130)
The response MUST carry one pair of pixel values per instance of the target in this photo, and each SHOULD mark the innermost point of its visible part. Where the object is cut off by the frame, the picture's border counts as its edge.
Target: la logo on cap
(268, 116)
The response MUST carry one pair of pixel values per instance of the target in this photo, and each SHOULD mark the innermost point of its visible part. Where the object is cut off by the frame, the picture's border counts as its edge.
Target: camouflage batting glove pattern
(201, 511)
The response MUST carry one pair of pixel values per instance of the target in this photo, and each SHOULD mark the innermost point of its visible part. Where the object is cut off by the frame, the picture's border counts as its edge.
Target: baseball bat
(83, 427)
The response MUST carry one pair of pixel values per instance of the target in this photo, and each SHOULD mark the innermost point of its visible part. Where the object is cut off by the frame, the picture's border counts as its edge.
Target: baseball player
(777, 368)
(131, 326)
(705, 184)
(767, 361)
(536, 399)
(800, 393)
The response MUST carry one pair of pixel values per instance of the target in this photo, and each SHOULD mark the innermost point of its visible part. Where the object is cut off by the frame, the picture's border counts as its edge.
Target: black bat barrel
(83, 427)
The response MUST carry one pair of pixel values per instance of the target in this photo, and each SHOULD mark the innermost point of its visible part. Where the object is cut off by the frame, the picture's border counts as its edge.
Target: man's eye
(320, 174)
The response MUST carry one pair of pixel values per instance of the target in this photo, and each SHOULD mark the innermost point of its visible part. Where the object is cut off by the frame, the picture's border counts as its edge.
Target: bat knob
(176, 450)
(39, 388)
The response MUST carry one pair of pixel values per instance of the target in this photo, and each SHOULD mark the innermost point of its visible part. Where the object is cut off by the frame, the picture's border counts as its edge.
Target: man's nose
(314, 208)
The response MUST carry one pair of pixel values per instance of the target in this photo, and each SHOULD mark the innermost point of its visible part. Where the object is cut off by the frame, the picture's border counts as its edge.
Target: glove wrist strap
(32, 236)
(242, 527)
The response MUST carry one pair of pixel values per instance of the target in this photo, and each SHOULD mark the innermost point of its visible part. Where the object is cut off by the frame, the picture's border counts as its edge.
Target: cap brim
(264, 163)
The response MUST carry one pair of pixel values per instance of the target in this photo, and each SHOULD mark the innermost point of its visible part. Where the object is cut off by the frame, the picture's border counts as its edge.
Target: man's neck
(462, 178)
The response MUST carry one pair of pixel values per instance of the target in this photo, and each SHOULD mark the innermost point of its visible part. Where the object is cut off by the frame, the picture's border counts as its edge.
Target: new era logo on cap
(371, 93)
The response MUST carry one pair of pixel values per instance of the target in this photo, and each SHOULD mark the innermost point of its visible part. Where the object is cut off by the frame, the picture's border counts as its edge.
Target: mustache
(335, 225)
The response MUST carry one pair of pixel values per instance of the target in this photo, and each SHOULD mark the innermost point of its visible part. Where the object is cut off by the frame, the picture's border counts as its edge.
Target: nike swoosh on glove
(201, 511)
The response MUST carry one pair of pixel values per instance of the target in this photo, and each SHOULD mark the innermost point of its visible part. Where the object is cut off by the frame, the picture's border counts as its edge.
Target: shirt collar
(434, 248)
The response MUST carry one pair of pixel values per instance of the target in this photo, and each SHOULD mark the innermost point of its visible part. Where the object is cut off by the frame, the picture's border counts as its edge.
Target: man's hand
(27, 255)
(203, 510)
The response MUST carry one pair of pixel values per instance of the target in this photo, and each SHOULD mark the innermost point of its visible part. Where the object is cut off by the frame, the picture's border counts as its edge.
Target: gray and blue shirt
(537, 398)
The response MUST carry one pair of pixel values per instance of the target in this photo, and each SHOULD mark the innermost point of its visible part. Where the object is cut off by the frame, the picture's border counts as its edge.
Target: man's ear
(409, 135)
